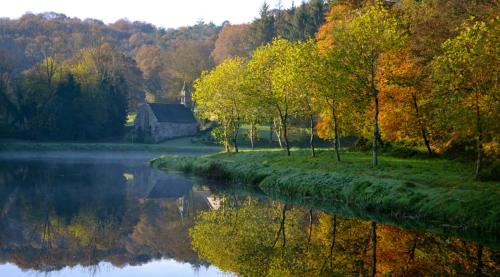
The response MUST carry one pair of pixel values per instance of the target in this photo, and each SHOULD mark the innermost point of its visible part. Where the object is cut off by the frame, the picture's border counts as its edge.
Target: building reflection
(56, 215)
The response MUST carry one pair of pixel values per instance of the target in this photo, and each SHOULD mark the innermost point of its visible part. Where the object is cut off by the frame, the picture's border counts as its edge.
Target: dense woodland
(70, 79)
(421, 73)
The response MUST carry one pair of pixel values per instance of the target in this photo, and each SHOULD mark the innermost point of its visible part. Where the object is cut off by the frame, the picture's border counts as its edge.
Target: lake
(110, 214)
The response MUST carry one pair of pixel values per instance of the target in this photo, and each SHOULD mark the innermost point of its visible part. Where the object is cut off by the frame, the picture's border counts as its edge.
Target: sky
(162, 13)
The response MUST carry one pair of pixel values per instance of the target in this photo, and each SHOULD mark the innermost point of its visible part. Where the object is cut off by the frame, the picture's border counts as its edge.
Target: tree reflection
(63, 214)
(266, 238)
(57, 215)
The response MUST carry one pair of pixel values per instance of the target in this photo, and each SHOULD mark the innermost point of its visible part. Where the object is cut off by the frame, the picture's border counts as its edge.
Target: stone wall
(165, 130)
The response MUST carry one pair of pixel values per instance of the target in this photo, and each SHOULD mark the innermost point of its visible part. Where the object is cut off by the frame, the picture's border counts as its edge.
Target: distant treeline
(43, 54)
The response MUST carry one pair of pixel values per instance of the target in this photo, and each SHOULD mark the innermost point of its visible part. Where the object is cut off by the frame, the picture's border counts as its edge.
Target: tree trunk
(235, 137)
(421, 125)
(252, 135)
(226, 138)
(281, 230)
(311, 139)
(336, 132)
(310, 227)
(285, 135)
(374, 248)
(479, 139)
(334, 234)
(375, 130)
(479, 260)
(411, 251)
(277, 129)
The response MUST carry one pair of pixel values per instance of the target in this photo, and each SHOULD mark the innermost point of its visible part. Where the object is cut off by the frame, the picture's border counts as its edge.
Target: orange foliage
(399, 87)
(337, 15)
(233, 41)
(324, 127)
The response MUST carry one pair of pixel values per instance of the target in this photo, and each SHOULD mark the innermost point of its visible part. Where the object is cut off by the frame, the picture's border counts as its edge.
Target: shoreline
(432, 197)
(181, 145)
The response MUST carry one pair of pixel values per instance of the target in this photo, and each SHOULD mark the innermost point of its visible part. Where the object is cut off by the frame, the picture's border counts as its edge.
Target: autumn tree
(149, 61)
(335, 85)
(466, 79)
(218, 95)
(233, 41)
(186, 63)
(360, 43)
(405, 101)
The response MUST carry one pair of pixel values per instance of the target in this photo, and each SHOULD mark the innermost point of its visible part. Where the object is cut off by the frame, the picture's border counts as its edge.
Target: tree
(466, 79)
(359, 44)
(262, 29)
(305, 20)
(406, 99)
(186, 63)
(275, 83)
(218, 96)
(333, 89)
(296, 79)
(66, 108)
(35, 94)
(10, 116)
(334, 82)
(233, 41)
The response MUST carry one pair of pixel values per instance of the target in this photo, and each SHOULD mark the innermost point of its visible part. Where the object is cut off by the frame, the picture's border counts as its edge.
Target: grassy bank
(421, 189)
(181, 145)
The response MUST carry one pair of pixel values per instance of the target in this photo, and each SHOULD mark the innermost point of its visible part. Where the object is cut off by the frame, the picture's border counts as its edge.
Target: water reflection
(86, 213)
(110, 218)
(258, 237)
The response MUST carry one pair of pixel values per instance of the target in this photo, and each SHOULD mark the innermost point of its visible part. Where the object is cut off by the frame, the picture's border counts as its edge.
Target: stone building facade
(165, 121)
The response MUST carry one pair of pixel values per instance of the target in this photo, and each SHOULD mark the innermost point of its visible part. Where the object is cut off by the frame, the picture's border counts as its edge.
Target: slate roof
(174, 113)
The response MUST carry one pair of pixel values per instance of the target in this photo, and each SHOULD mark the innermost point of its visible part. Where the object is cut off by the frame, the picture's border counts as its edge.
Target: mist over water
(136, 157)
(71, 213)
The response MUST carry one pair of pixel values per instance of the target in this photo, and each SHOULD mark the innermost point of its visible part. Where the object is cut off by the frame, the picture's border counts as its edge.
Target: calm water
(88, 215)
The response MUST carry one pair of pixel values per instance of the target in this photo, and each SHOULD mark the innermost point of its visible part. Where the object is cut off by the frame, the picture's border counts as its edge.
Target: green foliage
(67, 109)
(466, 83)
(86, 99)
(304, 21)
(219, 96)
(262, 29)
(218, 134)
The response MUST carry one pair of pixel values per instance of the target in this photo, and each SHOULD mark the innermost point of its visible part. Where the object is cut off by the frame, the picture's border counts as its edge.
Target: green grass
(181, 145)
(431, 190)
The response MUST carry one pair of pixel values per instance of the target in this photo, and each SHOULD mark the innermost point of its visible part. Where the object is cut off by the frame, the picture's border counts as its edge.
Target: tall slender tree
(360, 43)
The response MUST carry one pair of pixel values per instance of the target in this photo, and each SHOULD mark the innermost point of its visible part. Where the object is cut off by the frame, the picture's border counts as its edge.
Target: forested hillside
(111, 68)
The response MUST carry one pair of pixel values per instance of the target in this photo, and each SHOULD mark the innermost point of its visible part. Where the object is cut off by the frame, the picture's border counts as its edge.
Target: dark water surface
(72, 214)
